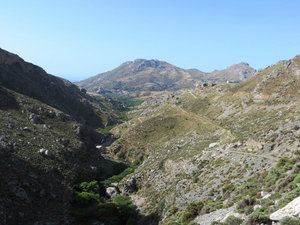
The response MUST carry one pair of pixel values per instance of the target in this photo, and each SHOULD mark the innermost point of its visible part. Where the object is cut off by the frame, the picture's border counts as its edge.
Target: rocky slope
(155, 75)
(33, 81)
(47, 143)
(216, 147)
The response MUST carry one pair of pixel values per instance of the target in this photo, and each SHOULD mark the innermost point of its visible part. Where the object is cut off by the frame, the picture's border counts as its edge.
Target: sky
(76, 39)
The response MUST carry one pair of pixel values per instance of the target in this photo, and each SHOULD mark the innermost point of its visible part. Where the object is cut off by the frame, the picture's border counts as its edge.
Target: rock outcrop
(292, 209)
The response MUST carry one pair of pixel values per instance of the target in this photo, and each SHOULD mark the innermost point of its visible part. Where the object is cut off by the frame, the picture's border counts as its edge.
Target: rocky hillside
(155, 75)
(229, 149)
(47, 143)
(33, 81)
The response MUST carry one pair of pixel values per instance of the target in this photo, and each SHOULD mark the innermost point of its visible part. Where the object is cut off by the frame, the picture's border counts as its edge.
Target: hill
(216, 149)
(155, 75)
(33, 81)
(47, 142)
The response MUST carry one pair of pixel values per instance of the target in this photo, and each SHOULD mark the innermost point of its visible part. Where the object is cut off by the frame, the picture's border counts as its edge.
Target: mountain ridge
(156, 75)
(31, 80)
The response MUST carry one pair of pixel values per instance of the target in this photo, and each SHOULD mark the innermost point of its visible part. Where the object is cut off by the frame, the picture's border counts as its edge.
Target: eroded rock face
(290, 210)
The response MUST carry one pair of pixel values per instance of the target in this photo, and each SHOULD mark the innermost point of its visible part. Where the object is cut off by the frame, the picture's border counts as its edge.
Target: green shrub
(281, 162)
(229, 187)
(232, 220)
(85, 198)
(217, 223)
(192, 210)
(117, 178)
(289, 221)
(87, 193)
(288, 197)
(258, 218)
(105, 130)
(92, 186)
(125, 206)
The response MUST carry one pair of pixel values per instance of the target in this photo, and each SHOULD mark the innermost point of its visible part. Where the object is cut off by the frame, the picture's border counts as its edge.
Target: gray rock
(217, 215)
(47, 126)
(112, 192)
(26, 129)
(34, 118)
(44, 152)
(292, 209)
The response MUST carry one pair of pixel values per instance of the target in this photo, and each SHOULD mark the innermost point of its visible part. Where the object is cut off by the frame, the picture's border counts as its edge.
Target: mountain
(235, 73)
(33, 81)
(155, 75)
(214, 152)
(140, 75)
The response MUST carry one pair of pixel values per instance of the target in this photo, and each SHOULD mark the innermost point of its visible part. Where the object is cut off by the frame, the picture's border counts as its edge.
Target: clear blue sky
(80, 38)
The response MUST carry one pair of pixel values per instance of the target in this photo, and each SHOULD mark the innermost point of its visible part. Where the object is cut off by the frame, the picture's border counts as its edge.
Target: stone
(99, 147)
(112, 192)
(26, 129)
(44, 152)
(266, 196)
(292, 209)
(34, 118)
(47, 126)
(211, 145)
(256, 207)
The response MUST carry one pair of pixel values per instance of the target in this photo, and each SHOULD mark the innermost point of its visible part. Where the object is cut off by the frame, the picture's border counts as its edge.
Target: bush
(232, 220)
(227, 188)
(281, 162)
(117, 178)
(258, 218)
(89, 187)
(288, 197)
(192, 210)
(289, 221)
(86, 198)
(87, 193)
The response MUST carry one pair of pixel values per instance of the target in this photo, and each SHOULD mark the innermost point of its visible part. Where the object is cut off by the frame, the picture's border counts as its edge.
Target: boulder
(112, 192)
(211, 145)
(34, 118)
(292, 209)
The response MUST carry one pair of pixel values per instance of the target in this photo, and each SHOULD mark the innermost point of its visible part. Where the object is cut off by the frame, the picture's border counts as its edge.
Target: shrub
(89, 187)
(87, 193)
(85, 198)
(289, 221)
(117, 178)
(232, 220)
(281, 162)
(258, 218)
(288, 197)
(227, 188)
(217, 223)
(192, 210)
